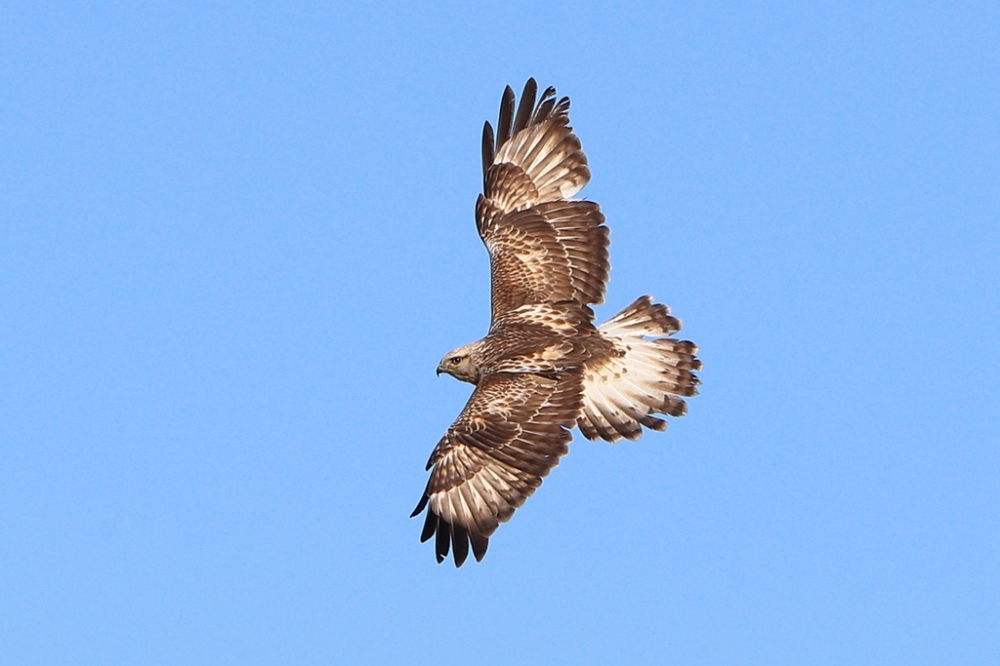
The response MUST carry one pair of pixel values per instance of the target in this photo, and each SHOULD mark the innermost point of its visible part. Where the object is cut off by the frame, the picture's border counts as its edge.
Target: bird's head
(461, 364)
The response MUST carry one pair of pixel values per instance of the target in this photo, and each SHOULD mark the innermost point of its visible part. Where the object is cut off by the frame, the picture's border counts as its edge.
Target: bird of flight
(544, 366)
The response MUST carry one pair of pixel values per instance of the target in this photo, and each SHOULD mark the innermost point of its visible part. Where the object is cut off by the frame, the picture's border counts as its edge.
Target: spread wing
(544, 247)
(510, 434)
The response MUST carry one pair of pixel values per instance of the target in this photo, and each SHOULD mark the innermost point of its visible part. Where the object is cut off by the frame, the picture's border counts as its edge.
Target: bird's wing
(544, 247)
(510, 434)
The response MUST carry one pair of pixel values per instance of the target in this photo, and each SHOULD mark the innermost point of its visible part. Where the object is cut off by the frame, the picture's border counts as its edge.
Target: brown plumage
(543, 367)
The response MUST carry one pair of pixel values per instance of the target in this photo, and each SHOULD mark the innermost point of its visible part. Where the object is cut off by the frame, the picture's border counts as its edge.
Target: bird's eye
(455, 360)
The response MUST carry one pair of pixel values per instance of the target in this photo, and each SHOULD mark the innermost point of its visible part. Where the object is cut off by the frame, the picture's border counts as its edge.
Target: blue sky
(235, 239)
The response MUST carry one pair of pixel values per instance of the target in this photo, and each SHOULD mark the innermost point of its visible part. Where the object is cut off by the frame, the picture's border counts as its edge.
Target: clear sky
(236, 238)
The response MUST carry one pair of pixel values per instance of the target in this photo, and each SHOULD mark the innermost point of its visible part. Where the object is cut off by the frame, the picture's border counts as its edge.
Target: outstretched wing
(544, 247)
(510, 434)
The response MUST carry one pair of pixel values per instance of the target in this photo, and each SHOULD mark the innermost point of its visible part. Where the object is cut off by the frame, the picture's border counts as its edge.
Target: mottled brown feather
(511, 433)
(543, 246)
(555, 251)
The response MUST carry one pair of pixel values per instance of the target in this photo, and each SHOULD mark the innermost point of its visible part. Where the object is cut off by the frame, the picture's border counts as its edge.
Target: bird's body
(544, 367)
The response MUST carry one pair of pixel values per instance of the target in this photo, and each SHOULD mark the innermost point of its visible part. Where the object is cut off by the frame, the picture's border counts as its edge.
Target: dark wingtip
(443, 540)
(420, 506)
(506, 117)
(479, 545)
(488, 152)
(460, 539)
(526, 106)
(430, 526)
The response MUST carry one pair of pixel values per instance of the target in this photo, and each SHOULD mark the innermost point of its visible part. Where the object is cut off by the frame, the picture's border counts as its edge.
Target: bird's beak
(438, 371)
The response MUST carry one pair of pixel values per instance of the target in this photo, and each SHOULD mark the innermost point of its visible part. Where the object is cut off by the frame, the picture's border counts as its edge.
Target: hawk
(544, 367)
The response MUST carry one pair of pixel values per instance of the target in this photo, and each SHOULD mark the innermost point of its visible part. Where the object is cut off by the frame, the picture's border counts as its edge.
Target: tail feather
(638, 371)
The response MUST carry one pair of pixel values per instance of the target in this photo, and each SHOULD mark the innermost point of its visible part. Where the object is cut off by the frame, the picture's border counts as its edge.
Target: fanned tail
(638, 371)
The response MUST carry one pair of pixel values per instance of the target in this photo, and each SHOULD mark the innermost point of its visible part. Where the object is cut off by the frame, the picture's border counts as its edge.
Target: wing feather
(487, 149)
(543, 246)
(511, 433)
(556, 251)
(526, 105)
(506, 116)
